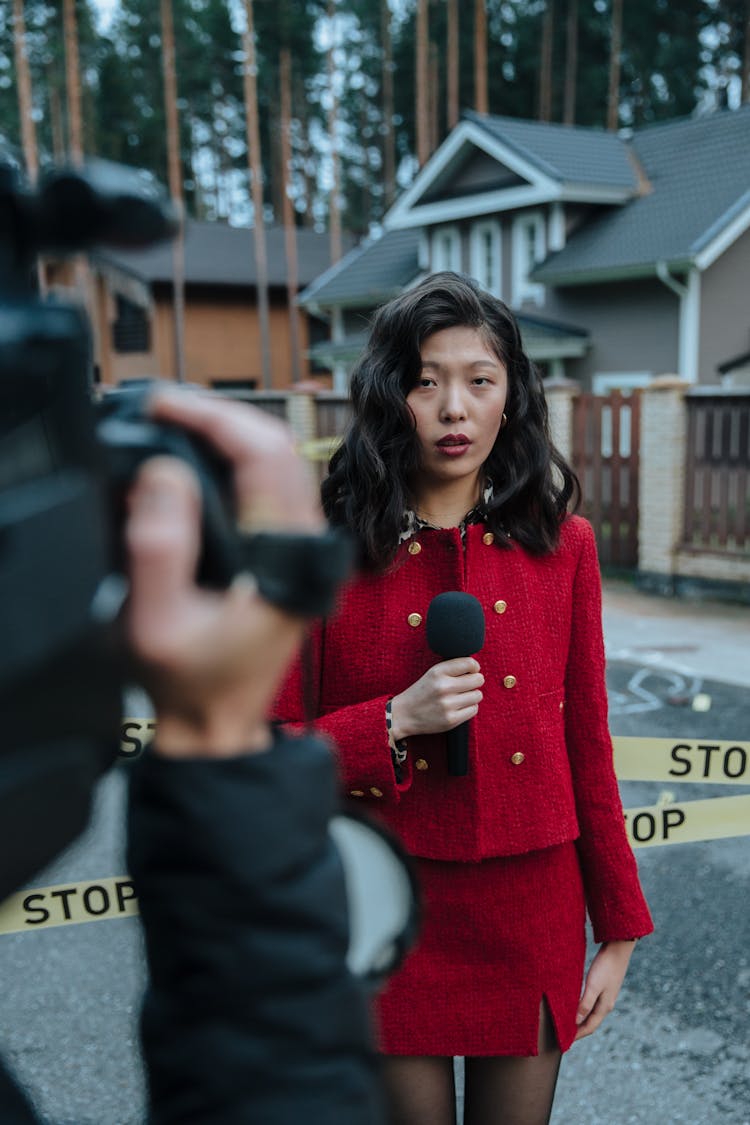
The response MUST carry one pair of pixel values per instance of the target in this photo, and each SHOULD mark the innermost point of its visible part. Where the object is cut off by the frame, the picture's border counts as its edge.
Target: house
(623, 257)
(133, 323)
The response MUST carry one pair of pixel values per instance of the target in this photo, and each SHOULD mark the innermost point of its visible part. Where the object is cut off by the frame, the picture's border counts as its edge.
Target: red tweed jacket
(540, 753)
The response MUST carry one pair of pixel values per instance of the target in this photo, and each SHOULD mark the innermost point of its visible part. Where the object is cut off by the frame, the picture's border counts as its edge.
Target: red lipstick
(453, 445)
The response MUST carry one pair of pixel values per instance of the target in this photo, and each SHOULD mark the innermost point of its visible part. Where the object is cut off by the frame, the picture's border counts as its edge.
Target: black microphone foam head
(455, 624)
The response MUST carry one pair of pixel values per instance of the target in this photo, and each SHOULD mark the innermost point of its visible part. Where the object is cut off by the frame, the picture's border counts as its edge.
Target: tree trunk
(334, 206)
(422, 67)
(175, 184)
(56, 116)
(434, 98)
(613, 97)
(73, 82)
(306, 151)
(481, 100)
(389, 140)
(571, 64)
(290, 235)
(25, 100)
(545, 63)
(745, 88)
(255, 167)
(452, 63)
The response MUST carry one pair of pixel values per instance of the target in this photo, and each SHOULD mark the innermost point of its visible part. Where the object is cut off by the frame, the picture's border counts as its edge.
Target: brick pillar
(301, 416)
(561, 394)
(661, 491)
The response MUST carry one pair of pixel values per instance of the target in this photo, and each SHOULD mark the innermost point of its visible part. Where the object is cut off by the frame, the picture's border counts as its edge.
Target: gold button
(356, 793)
(488, 538)
(414, 548)
(517, 758)
(421, 764)
(415, 620)
(509, 681)
(375, 791)
(562, 704)
(500, 607)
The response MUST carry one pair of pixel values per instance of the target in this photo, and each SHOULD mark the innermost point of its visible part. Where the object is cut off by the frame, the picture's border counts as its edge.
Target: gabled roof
(217, 254)
(568, 154)
(543, 339)
(534, 163)
(370, 273)
(699, 171)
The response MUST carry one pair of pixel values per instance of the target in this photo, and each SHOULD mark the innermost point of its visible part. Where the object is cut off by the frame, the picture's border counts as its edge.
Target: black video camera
(65, 465)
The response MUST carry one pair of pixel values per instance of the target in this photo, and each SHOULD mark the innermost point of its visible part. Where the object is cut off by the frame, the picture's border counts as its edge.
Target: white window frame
(523, 288)
(478, 258)
(438, 260)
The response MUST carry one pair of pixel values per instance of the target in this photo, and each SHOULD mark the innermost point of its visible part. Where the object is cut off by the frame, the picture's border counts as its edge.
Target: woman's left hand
(603, 982)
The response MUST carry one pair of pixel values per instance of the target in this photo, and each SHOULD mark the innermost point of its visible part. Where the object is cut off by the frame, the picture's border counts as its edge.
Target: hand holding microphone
(455, 627)
(448, 695)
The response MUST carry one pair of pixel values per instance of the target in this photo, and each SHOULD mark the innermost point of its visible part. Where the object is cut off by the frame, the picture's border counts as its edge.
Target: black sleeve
(14, 1107)
(251, 1014)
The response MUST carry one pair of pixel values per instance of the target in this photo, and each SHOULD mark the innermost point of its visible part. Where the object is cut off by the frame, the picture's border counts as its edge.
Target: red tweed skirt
(497, 938)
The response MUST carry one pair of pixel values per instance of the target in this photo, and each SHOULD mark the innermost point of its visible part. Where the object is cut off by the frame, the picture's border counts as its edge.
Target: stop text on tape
(703, 760)
(716, 818)
(68, 904)
(135, 736)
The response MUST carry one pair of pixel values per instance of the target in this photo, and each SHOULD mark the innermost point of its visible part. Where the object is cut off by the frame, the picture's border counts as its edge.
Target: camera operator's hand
(213, 661)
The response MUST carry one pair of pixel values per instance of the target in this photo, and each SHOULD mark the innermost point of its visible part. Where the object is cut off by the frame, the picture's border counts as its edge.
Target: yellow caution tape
(320, 449)
(135, 735)
(716, 818)
(68, 904)
(682, 759)
(636, 759)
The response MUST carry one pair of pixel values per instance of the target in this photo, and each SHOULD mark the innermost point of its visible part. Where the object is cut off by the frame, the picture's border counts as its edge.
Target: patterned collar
(413, 523)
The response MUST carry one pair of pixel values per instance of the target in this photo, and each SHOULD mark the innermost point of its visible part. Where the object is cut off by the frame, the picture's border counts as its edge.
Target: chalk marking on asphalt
(637, 699)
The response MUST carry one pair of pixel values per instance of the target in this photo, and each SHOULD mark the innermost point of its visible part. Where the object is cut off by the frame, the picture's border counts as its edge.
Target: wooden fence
(606, 441)
(717, 497)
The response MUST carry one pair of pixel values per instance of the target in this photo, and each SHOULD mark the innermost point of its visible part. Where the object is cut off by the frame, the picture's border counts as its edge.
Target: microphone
(455, 627)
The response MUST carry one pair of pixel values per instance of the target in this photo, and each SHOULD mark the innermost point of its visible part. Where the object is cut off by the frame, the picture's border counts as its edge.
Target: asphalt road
(675, 1050)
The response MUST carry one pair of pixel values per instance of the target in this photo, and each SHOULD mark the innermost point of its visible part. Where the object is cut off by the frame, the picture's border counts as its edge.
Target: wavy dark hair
(368, 488)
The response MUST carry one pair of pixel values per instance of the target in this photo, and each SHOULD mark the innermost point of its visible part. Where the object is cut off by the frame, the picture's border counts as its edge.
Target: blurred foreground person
(251, 1014)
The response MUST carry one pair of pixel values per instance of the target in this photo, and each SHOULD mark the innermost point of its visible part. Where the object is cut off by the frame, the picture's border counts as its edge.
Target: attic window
(529, 250)
(131, 329)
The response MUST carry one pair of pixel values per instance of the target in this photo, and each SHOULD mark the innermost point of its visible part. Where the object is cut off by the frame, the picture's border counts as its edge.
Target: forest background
(352, 95)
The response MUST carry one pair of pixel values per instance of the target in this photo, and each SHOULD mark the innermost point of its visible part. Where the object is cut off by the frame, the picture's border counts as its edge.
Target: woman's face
(457, 403)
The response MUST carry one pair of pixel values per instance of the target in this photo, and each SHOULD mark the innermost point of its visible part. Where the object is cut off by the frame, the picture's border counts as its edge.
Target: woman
(449, 481)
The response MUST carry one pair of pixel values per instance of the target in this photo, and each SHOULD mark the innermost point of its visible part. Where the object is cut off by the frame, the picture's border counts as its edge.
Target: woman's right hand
(447, 695)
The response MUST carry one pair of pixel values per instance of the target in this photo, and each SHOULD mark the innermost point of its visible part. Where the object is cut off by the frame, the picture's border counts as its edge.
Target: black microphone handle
(458, 750)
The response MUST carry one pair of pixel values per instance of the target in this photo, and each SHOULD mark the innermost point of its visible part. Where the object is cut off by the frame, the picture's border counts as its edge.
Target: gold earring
(503, 421)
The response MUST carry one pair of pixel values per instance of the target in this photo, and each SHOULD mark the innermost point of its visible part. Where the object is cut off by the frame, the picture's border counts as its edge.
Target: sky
(105, 8)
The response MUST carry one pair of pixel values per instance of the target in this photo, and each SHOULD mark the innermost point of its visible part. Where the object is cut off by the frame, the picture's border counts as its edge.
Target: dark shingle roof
(566, 153)
(699, 172)
(370, 273)
(541, 338)
(217, 254)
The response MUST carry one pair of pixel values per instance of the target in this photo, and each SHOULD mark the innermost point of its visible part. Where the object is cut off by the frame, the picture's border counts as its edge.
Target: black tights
(504, 1090)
